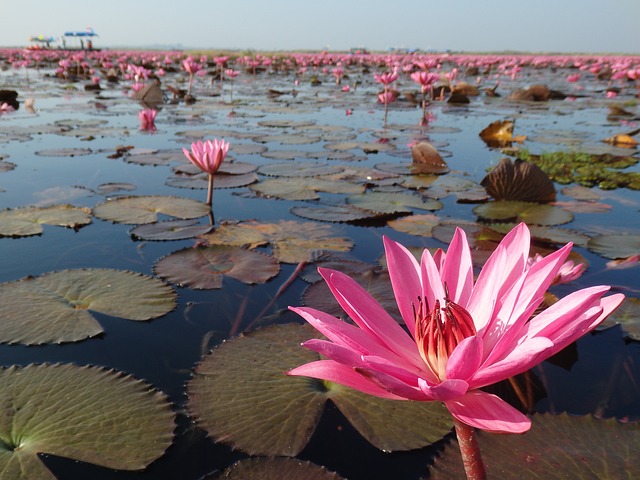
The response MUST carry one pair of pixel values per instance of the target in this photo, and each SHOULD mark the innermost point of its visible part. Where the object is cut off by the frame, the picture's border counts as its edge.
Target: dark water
(597, 375)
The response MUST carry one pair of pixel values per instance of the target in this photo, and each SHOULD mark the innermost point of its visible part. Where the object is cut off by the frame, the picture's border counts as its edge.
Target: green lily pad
(615, 245)
(220, 180)
(419, 225)
(299, 169)
(627, 315)
(303, 188)
(205, 267)
(25, 221)
(145, 209)
(292, 242)
(557, 446)
(288, 139)
(530, 213)
(87, 414)
(334, 213)
(169, 230)
(275, 468)
(285, 154)
(55, 307)
(280, 415)
(390, 203)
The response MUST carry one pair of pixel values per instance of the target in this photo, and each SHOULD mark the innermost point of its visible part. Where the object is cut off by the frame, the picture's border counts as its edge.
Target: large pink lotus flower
(463, 335)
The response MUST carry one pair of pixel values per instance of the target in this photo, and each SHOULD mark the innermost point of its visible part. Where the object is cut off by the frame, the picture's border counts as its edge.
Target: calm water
(597, 376)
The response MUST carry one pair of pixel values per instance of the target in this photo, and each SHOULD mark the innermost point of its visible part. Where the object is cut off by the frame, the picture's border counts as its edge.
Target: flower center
(439, 331)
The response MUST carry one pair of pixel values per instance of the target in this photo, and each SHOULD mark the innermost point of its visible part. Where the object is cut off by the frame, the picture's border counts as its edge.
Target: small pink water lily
(568, 272)
(208, 156)
(147, 118)
(463, 335)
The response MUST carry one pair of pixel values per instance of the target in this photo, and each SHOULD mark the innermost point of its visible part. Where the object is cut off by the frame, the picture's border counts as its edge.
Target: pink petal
(465, 359)
(445, 391)
(367, 313)
(457, 270)
(488, 412)
(338, 373)
(393, 384)
(404, 272)
(432, 287)
(503, 267)
(334, 352)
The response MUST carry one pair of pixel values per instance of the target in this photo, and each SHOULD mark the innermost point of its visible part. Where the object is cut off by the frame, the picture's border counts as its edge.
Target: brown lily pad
(520, 181)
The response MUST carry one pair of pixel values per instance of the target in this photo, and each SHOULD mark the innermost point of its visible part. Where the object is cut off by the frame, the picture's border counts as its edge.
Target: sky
(589, 26)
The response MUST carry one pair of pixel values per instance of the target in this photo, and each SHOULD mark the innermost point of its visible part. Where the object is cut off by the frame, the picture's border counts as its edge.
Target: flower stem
(210, 191)
(470, 451)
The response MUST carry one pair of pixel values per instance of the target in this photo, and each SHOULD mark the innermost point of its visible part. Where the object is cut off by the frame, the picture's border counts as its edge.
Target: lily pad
(299, 169)
(64, 152)
(557, 446)
(145, 209)
(393, 202)
(220, 180)
(55, 307)
(292, 242)
(419, 225)
(275, 468)
(520, 181)
(87, 414)
(282, 412)
(170, 230)
(205, 267)
(6, 166)
(25, 221)
(627, 315)
(303, 188)
(615, 245)
(530, 213)
(334, 213)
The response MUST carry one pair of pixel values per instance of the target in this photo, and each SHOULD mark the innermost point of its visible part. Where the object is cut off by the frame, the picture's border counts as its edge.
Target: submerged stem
(470, 451)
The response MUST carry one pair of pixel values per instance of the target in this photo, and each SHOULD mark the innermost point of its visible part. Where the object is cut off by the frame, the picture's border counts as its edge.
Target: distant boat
(87, 34)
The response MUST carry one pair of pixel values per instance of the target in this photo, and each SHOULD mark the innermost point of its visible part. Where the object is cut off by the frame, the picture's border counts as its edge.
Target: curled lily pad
(530, 213)
(557, 446)
(169, 230)
(520, 180)
(205, 267)
(282, 412)
(292, 242)
(145, 209)
(84, 413)
(275, 468)
(615, 245)
(59, 304)
(500, 134)
(25, 221)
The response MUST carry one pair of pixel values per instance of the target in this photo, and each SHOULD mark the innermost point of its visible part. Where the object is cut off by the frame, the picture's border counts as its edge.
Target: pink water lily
(147, 119)
(462, 334)
(208, 156)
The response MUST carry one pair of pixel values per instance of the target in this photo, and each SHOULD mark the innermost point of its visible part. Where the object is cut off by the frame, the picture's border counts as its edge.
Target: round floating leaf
(55, 307)
(285, 154)
(530, 213)
(366, 147)
(420, 225)
(65, 152)
(6, 166)
(615, 245)
(291, 139)
(299, 169)
(24, 221)
(205, 267)
(627, 315)
(138, 210)
(170, 230)
(248, 149)
(107, 188)
(275, 468)
(556, 447)
(392, 202)
(303, 188)
(292, 242)
(280, 414)
(220, 180)
(83, 413)
(286, 123)
(334, 213)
